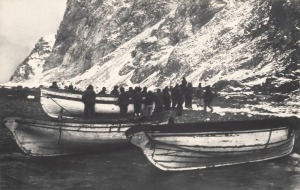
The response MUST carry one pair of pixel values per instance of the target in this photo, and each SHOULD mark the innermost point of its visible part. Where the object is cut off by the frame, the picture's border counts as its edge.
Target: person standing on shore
(174, 95)
(207, 98)
(144, 91)
(199, 95)
(184, 82)
(189, 92)
(102, 92)
(123, 101)
(149, 100)
(166, 98)
(137, 101)
(54, 85)
(159, 102)
(115, 91)
(89, 100)
(71, 88)
(180, 102)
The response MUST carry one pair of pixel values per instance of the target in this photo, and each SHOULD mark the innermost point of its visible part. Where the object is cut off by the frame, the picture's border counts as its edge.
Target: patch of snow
(50, 39)
(151, 39)
(236, 89)
(293, 103)
(261, 109)
(256, 82)
(283, 80)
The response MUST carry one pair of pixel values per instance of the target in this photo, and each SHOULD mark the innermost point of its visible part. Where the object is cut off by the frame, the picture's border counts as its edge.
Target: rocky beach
(25, 103)
(19, 171)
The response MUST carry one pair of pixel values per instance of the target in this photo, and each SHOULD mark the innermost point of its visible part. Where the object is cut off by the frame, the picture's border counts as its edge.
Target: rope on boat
(268, 139)
(152, 144)
(61, 116)
(119, 128)
(60, 130)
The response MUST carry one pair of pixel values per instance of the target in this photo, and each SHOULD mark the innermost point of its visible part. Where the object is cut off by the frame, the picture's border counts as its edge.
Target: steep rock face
(92, 30)
(31, 69)
(240, 47)
(155, 43)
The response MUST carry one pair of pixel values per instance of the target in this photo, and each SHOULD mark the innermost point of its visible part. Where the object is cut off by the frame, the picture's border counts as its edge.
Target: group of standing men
(184, 93)
(147, 102)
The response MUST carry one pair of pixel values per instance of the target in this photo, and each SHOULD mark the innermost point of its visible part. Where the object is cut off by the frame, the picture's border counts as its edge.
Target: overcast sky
(22, 24)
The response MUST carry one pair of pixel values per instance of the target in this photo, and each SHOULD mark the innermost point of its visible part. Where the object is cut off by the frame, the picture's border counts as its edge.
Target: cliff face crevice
(155, 43)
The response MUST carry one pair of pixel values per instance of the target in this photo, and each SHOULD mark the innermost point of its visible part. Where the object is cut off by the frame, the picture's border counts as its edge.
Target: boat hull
(54, 100)
(179, 147)
(52, 138)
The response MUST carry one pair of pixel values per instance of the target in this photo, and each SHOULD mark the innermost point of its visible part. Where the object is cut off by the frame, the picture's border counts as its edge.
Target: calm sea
(127, 168)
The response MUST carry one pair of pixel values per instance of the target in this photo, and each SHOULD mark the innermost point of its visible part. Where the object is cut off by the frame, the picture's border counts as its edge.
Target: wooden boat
(189, 146)
(53, 101)
(52, 137)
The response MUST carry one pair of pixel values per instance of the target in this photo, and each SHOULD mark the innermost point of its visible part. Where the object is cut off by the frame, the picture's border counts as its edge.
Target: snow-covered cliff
(31, 70)
(155, 43)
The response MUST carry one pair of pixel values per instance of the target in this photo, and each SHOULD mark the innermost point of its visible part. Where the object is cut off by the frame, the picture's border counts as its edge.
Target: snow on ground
(256, 81)
(264, 108)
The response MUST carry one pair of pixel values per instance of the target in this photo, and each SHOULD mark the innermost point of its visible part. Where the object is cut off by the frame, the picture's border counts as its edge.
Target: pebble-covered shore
(16, 106)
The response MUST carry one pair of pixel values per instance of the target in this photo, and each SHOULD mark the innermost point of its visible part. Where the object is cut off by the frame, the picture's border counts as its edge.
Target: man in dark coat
(159, 102)
(189, 92)
(184, 82)
(70, 88)
(149, 100)
(102, 92)
(183, 85)
(130, 92)
(199, 95)
(137, 101)
(54, 85)
(207, 98)
(144, 92)
(166, 98)
(180, 102)
(174, 95)
(123, 101)
(89, 100)
(115, 91)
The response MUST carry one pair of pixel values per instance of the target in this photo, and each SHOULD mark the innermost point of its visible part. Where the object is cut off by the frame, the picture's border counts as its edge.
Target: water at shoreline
(128, 168)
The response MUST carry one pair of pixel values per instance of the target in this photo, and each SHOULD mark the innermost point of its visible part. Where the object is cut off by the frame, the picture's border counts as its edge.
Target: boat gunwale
(109, 129)
(60, 97)
(157, 118)
(182, 146)
(213, 126)
(214, 133)
(76, 96)
(280, 143)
